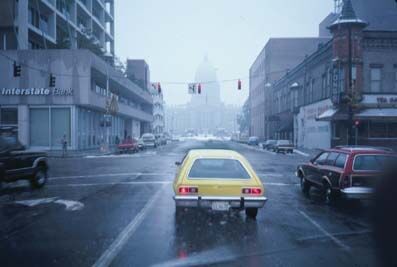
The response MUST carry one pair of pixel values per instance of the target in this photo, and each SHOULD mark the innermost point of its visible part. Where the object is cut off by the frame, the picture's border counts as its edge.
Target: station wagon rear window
(371, 162)
(218, 169)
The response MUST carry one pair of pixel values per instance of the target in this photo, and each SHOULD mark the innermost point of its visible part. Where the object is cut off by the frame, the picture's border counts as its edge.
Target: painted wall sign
(36, 92)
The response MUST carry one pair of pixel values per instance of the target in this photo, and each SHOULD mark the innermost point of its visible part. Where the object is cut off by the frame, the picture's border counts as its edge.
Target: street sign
(192, 88)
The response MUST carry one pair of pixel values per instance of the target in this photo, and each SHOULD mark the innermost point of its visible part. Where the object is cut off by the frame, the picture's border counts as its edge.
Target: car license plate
(220, 206)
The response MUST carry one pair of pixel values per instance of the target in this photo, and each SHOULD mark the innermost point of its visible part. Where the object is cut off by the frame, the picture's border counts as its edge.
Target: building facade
(277, 57)
(345, 92)
(158, 124)
(58, 24)
(90, 102)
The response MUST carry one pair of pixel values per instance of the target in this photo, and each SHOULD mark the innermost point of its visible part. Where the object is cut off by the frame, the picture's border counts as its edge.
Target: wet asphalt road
(119, 211)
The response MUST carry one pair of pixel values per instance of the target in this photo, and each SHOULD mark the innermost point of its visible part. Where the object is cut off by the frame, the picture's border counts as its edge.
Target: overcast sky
(173, 36)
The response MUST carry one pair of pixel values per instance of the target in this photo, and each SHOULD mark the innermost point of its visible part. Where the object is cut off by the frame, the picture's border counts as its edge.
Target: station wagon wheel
(329, 195)
(305, 186)
(39, 179)
(251, 212)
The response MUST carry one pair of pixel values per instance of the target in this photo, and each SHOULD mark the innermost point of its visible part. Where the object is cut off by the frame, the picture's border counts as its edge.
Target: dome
(205, 72)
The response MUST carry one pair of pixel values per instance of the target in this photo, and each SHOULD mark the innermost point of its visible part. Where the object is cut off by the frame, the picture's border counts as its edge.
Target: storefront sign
(379, 99)
(36, 92)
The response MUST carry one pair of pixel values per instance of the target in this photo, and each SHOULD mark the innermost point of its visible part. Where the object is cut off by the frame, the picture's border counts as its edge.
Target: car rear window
(284, 142)
(371, 162)
(218, 169)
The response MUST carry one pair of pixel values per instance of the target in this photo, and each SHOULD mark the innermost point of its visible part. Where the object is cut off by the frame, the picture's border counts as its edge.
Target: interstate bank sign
(36, 92)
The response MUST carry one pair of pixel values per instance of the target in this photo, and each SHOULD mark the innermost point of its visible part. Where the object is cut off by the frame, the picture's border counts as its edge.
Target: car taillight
(252, 191)
(185, 190)
(345, 182)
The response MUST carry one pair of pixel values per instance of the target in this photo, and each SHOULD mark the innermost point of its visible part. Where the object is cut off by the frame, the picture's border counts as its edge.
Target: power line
(162, 82)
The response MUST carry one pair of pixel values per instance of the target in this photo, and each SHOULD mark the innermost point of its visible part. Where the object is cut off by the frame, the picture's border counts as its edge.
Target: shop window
(60, 125)
(363, 129)
(39, 127)
(376, 79)
(336, 130)
(8, 116)
(378, 130)
(392, 131)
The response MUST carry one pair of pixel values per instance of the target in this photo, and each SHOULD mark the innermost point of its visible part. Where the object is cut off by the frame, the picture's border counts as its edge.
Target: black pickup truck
(17, 164)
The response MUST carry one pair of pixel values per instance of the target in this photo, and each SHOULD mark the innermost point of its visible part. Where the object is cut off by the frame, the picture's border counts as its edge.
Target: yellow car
(219, 180)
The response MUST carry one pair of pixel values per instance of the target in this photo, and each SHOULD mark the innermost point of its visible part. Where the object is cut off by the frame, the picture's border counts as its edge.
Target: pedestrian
(64, 145)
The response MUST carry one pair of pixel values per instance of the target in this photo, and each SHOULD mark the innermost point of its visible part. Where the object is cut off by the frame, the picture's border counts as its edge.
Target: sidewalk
(77, 153)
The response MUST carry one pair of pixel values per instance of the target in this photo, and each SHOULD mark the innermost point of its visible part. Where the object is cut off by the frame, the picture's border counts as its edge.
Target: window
(376, 75)
(395, 78)
(371, 162)
(218, 169)
(331, 158)
(324, 86)
(9, 116)
(341, 161)
(39, 125)
(321, 160)
(378, 130)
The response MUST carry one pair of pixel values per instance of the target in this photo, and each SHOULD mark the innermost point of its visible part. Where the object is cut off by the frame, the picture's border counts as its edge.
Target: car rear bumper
(206, 201)
(357, 192)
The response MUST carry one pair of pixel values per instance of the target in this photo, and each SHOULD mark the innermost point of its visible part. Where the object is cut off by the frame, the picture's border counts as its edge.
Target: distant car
(149, 140)
(253, 141)
(128, 145)
(283, 146)
(18, 164)
(350, 172)
(141, 144)
(269, 144)
(219, 180)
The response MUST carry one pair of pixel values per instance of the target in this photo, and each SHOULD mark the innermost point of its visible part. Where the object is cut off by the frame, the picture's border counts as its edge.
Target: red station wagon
(350, 172)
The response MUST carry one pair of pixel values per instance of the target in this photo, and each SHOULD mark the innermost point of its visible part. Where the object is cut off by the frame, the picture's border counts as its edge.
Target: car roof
(362, 150)
(218, 153)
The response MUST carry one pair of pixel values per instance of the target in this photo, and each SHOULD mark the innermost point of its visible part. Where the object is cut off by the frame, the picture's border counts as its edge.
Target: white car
(149, 140)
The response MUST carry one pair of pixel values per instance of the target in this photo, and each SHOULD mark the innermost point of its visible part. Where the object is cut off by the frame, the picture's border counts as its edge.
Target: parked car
(141, 144)
(149, 140)
(253, 141)
(269, 144)
(283, 146)
(18, 164)
(350, 172)
(128, 145)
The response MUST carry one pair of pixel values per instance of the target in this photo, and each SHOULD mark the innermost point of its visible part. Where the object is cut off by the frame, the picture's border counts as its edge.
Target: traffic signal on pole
(199, 88)
(17, 70)
(52, 80)
(159, 88)
(239, 84)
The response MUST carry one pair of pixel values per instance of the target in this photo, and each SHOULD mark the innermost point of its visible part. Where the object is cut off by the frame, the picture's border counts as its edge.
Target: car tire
(39, 178)
(305, 186)
(251, 212)
(329, 194)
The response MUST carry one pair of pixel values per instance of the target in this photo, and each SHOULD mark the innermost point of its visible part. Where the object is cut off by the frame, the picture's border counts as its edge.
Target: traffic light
(159, 88)
(199, 88)
(239, 84)
(17, 70)
(52, 80)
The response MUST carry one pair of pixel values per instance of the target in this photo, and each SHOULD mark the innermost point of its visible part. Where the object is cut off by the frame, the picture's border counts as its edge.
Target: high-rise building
(61, 24)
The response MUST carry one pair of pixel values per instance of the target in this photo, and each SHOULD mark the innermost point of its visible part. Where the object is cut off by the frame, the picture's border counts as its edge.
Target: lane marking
(325, 232)
(118, 244)
(270, 174)
(351, 233)
(115, 183)
(70, 205)
(110, 175)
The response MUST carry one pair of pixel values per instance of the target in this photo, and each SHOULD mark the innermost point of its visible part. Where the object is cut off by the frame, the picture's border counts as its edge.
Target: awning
(332, 114)
(377, 113)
